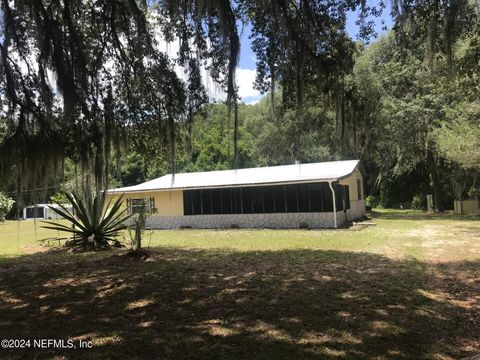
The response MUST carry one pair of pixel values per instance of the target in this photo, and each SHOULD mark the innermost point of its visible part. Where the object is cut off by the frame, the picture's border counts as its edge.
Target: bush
(419, 202)
(96, 223)
(59, 198)
(473, 192)
(372, 201)
(6, 204)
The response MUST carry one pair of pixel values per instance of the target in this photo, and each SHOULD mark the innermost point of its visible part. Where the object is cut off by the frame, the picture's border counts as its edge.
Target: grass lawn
(407, 288)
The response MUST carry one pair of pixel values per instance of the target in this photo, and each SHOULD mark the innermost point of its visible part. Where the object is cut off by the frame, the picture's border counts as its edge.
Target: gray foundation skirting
(274, 221)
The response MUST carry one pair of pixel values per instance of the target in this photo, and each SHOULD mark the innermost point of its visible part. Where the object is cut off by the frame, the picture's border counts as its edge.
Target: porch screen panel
(292, 198)
(258, 201)
(279, 198)
(247, 200)
(268, 199)
(316, 197)
(227, 201)
(304, 203)
(207, 202)
(217, 205)
(312, 197)
(327, 198)
(187, 203)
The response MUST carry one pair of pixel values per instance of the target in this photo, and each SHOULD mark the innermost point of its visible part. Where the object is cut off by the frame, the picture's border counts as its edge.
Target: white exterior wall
(357, 210)
(272, 221)
(50, 214)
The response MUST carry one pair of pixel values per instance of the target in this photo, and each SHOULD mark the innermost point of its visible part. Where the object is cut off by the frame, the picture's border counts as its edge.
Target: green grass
(23, 237)
(406, 288)
(397, 233)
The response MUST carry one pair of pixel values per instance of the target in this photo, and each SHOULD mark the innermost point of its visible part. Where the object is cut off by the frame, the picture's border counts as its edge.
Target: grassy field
(406, 288)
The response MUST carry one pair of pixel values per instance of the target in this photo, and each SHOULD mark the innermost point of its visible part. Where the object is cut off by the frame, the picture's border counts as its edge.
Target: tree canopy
(89, 81)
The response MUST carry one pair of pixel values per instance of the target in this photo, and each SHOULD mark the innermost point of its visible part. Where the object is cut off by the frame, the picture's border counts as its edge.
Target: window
(359, 189)
(135, 206)
(35, 212)
(338, 196)
(346, 197)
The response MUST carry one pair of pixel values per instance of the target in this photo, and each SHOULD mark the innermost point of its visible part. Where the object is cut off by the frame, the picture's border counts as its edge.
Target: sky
(246, 69)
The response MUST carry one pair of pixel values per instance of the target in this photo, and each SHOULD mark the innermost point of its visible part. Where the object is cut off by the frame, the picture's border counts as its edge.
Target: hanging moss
(109, 77)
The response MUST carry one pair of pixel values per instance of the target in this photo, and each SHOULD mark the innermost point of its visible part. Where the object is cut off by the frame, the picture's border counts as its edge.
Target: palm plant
(95, 226)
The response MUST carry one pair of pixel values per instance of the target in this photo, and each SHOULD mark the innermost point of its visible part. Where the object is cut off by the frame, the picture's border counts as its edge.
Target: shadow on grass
(421, 215)
(227, 305)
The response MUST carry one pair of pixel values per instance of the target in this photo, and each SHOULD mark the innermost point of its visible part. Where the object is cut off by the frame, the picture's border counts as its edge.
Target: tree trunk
(342, 116)
(300, 73)
(235, 135)
(354, 122)
(171, 143)
(436, 186)
(188, 136)
(137, 243)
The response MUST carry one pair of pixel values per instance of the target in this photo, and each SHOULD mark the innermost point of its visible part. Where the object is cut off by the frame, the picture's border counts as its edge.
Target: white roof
(324, 171)
(47, 205)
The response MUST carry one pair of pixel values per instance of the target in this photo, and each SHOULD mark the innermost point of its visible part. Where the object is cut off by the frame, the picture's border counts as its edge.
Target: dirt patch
(439, 240)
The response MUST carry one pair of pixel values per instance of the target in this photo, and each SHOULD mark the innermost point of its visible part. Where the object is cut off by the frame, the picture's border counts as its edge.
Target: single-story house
(42, 211)
(315, 195)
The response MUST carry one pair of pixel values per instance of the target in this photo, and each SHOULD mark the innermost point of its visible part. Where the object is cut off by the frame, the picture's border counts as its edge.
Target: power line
(25, 191)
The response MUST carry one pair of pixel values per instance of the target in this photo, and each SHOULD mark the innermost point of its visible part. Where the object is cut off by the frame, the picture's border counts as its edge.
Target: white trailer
(42, 211)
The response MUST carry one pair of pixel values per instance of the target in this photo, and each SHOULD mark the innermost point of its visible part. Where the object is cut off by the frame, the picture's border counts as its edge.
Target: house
(42, 211)
(315, 195)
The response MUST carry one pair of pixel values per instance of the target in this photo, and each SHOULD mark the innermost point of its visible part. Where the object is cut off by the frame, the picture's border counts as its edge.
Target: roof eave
(118, 191)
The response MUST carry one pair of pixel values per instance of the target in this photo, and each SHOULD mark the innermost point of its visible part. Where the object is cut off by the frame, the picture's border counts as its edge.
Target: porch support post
(334, 204)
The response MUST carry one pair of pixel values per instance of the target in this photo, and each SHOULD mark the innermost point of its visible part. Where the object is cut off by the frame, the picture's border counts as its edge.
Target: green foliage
(96, 224)
(139, 221)
(371, 200)
(6, 204)
(458, 138)
(59, 198)
(407, 105)
(3, 129)
(419, 202)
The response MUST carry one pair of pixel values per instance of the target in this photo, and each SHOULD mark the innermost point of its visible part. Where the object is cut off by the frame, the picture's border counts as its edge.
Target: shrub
(419, 202)
(372, 201)
(96, 226)
(6, 204)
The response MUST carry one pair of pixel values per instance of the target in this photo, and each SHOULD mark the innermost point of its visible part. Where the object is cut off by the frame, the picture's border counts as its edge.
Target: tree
(105, 61)
(459, 139)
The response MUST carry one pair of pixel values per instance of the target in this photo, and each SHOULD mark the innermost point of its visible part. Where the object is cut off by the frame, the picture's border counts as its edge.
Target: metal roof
(296, 173)
(46, 206)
